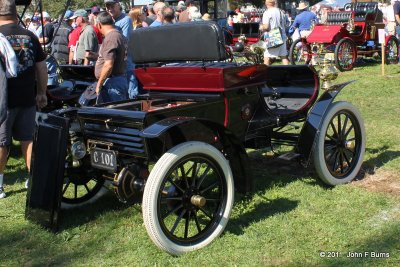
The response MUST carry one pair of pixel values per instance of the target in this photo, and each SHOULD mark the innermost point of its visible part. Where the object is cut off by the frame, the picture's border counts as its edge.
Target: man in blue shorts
(22, 97)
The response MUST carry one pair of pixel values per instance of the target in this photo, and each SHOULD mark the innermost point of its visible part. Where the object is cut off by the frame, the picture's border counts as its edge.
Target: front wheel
(188, 198)
(345, 55)
(299, 53)
(81, 186)
(340, 145)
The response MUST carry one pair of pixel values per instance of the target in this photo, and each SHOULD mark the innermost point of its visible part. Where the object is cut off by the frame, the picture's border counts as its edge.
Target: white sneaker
(27, 183)
(2, 194)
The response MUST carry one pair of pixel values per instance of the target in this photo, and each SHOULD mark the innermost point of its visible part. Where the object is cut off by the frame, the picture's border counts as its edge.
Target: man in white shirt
(273, 17)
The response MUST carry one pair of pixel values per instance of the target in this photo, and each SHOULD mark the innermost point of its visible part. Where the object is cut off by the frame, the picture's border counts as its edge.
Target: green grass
(287, 221)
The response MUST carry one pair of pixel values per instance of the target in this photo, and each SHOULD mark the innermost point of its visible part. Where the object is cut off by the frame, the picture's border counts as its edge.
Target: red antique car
(347, 34)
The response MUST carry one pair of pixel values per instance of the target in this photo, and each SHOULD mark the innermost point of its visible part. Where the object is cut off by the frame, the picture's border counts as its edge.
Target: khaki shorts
(391, 27)
(19, 124)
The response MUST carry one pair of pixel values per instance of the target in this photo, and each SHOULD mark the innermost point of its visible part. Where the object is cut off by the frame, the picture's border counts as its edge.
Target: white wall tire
(340, 145)
(168, 198)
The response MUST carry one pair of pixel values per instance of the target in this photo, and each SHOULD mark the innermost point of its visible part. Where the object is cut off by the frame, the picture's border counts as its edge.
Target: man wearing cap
(124, 24)
(23, 97)
(33, 26)
(93, 15)
(59, 46)
(273, 18)
(87, 41)
(303, 21)
(93, 21)
(110, 69)
(46, 34)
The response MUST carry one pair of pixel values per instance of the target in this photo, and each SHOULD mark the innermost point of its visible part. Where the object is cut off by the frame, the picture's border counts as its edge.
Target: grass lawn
(290, 219)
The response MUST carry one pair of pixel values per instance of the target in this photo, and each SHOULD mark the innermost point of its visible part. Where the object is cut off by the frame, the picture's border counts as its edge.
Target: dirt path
(381, 181)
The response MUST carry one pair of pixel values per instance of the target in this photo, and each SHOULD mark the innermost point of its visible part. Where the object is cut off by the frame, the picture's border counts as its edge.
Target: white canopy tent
(333, 3)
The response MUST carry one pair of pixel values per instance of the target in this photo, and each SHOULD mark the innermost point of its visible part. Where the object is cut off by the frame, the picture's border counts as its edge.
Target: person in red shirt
(72, 40)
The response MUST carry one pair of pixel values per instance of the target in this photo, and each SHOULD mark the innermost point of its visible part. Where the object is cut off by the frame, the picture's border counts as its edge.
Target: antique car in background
(181, 149)
(347, 34)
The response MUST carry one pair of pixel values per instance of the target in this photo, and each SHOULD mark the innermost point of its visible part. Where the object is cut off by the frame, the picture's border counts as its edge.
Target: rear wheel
(345, 55)
(392, 51)
(188, 197)
(299, 53)
(340, 145)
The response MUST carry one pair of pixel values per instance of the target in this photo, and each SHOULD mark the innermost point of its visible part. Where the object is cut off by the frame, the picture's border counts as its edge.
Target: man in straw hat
(23, 97)
(303, 21)
(273, 18)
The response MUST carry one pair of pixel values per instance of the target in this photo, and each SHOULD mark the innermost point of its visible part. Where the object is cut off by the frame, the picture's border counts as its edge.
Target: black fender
(312, 125)
(47, 171)
(172, 131)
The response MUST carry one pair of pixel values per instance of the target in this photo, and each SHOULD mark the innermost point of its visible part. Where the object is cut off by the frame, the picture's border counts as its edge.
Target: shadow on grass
(381, 249)
(277, 172)
(74, 217)
(384, 155)
(34, 248)
(260, 212)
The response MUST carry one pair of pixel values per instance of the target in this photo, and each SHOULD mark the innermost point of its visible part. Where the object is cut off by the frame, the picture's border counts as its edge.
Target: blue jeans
(114, 89)
(133, 86)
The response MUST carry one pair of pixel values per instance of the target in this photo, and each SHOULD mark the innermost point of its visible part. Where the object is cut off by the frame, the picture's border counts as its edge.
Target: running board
(289, 156)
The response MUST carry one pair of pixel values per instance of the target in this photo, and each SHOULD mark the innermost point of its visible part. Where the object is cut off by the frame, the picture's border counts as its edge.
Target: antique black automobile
(182, 148)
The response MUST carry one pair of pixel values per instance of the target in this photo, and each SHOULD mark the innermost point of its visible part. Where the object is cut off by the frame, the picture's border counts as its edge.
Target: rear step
(289, 156)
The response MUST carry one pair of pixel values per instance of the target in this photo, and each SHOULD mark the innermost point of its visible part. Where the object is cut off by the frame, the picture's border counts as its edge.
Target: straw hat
(302, 6)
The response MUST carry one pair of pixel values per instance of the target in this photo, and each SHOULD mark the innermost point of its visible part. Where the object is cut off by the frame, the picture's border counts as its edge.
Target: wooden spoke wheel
(340, 145)
(188, 197)
(345, 55)
(80, 186)
(392, 51)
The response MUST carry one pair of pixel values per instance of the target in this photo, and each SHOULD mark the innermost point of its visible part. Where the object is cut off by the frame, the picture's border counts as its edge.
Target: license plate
(104, 159)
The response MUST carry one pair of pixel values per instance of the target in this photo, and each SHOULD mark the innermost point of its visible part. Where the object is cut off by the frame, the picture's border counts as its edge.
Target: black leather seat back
(338, 17)
(362, 9)
(190, 41)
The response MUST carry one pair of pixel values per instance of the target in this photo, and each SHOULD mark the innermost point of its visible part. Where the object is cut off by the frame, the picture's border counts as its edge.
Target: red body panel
(324, 33)
(197, 79)
(182, 79)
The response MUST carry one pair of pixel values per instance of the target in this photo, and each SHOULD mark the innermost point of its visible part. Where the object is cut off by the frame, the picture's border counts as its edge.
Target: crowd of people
(98, 37)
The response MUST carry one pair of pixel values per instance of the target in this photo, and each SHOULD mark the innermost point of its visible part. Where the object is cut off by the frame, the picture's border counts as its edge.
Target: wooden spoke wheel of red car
(188, 197)
(80, 186)
(392, 51)
(299, 53)
(340, 146)
(345, 55)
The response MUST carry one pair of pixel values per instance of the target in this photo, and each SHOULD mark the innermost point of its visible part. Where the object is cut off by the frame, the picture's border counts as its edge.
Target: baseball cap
(95, 10)
(111, 1)
(68, 14)
(80, 13)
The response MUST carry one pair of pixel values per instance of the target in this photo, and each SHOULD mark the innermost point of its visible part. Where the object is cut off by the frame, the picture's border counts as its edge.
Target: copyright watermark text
(354, 254)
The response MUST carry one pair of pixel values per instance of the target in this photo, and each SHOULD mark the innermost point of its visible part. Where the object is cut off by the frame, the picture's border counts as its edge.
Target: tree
(55, 8)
